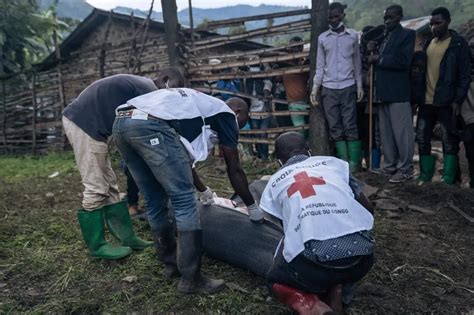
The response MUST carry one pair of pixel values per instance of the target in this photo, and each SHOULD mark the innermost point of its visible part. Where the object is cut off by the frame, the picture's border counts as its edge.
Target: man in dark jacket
(392, 62)
(446, 86)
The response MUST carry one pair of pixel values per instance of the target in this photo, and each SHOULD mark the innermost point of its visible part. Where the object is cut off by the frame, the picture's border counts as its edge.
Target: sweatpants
(397, 137)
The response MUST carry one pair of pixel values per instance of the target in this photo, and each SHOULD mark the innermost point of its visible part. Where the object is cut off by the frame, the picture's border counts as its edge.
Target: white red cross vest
(315, 202)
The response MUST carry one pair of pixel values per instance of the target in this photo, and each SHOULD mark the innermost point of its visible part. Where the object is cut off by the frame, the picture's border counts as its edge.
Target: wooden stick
(234, 21)
(462, 213)
(211, 90)
(33, 120)
(256, 140)
(242, 63)
(371, 93)
(273, 130)
(4, 118)
(103, 47)
(145, 32)
(247, 75)
(280, 113)
(256, 52)
(253, 33)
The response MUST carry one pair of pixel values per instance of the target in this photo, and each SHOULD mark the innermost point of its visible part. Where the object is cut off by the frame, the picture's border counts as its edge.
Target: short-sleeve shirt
(94, 109)
(188, 111)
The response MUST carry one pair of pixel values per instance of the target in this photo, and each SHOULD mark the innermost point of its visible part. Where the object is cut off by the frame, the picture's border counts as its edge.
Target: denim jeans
(161, 168)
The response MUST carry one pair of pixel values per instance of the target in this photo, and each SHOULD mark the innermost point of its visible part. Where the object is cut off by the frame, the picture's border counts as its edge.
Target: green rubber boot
(355, 155)
(341, 149)
(449, 169)
(120, 225)
(92, 227)
(427, 168)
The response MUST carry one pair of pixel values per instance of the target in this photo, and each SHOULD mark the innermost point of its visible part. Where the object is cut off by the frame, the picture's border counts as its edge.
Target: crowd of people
(431, 84)
(325, 219)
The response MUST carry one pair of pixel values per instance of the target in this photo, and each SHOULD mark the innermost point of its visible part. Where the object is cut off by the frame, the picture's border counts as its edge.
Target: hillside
(359, 12)
(369, 12)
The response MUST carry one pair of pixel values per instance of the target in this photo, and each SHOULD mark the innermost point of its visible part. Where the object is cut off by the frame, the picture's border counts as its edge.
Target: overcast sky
(183, 4)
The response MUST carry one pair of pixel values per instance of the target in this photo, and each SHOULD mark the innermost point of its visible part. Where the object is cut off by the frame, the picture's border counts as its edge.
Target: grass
(17, 168)
(45, 267)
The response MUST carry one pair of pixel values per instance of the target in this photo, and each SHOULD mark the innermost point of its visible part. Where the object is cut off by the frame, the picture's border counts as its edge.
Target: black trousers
(428, 115)
(307, 276)
(468, 139)
(132, 188)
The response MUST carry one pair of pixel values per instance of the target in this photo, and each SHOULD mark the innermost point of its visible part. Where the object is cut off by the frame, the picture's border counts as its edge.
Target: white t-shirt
(315, 202)
(180, 104)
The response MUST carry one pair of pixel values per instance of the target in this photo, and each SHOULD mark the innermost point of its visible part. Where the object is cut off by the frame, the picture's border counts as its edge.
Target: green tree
(25, 33)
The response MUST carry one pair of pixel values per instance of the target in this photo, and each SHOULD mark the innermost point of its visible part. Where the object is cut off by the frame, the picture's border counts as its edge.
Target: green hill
(360, 13)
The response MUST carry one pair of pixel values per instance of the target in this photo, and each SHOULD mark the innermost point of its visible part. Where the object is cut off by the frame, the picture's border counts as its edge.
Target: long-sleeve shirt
(338, 63)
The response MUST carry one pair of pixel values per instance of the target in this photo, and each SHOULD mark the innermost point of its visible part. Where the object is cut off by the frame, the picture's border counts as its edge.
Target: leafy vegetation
(360, 13)
(26, 33)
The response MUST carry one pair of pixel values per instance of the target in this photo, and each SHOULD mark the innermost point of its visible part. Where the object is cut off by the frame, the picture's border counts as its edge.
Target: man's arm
(400, 59)
(236, 174)
(198, 183)
(320, 64)
(364, 201)
(357, 62)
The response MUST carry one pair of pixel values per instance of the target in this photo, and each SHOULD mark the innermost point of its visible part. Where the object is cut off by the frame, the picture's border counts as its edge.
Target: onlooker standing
(392, 88)
(446, 86)
(261, 91)
(338, 71)
(467, 113)
(296, 87)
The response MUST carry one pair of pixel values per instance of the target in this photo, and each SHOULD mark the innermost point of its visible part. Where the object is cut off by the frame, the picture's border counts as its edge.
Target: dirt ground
(424, 260)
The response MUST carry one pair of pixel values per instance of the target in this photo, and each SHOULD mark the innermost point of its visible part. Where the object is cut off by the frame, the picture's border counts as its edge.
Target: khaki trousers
(93, 162)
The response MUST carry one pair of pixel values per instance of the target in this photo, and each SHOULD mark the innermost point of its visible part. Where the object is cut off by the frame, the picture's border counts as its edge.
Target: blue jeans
(161, 168)
(262, 148)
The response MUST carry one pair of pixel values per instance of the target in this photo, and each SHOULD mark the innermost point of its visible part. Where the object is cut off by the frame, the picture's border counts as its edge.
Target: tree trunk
(318, 132)
(170, 19)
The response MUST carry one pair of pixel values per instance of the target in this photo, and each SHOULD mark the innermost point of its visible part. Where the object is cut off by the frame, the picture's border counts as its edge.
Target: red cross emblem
(304, 184)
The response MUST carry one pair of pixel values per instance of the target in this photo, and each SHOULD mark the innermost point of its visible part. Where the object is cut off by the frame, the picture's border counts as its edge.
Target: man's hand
(456, 109)
(371, 46)
(314, 96)
(255, 213)
(207, 197)
(373, 59)
(360, 94)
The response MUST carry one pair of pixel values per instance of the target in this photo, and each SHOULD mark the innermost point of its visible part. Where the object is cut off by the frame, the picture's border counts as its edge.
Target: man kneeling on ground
(325, 221)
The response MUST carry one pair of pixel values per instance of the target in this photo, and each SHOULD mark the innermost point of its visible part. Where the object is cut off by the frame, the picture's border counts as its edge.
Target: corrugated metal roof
(420, 24)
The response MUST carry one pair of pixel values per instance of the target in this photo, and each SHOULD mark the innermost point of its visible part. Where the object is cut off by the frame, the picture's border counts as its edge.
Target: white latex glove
(360, 94)
(255, 213)
(207, 197)
(314, 95)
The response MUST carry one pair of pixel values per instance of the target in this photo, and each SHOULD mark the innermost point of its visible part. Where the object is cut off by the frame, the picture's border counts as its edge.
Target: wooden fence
(203, 73)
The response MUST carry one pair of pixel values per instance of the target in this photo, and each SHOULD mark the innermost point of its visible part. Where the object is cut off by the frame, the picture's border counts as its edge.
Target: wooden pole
(103, 48)
(33, 119)
(4, 117)
(145, 32)
(191, 22)
(371, 94)
(4, 103)
(170, 19)
(242, 20)
(58, 58)
(318, 133)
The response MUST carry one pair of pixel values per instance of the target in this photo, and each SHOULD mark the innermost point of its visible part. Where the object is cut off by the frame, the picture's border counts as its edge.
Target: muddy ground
(424, 260)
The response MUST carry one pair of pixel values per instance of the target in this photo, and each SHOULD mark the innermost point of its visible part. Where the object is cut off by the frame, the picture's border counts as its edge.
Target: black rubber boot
(189, 264)
(165, 247)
